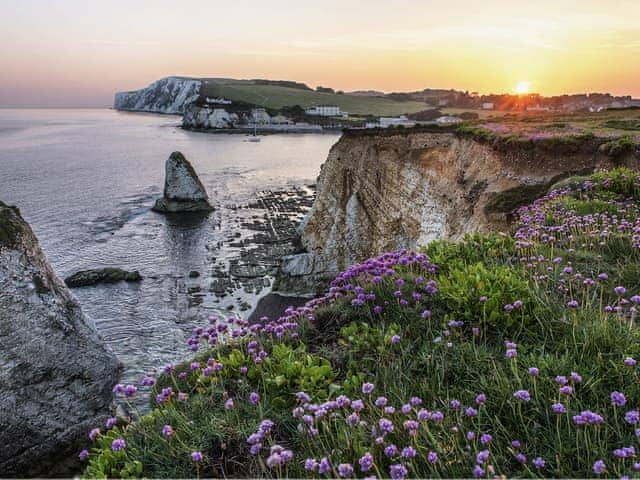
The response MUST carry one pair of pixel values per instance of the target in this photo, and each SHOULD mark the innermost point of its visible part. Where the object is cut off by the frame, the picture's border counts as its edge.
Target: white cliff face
(183, 190)
(56, 374)
(171, 95)
(383, 192)
(208, 117)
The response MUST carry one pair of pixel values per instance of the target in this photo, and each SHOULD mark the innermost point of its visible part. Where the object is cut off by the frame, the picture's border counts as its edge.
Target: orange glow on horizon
(59, 51)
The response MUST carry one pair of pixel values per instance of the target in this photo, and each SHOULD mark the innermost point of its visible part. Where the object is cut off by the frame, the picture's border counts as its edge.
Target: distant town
(532, 102)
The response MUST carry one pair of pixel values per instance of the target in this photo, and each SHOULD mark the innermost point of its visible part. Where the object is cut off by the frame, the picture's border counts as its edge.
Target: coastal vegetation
(613, 132)
(504, 354)
(277, 96)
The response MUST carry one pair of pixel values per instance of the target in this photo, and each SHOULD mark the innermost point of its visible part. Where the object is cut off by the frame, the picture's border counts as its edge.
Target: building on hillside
(402, 120)
(281, 120)
(538, 108)
(447, 119)
(326, 111)
(488, 106)
(218, 101)
(619, 104)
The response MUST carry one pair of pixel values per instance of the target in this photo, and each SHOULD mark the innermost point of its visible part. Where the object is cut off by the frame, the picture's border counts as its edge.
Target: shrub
(473, 248)
(487, 295)
(620, 181)
(622, 124)
(618, 147)
(587, 207)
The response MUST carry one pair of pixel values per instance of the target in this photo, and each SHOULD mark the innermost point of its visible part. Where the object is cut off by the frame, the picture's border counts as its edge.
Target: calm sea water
(85, 180)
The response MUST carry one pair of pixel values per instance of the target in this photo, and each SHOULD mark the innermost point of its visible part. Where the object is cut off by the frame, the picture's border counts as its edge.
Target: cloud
(122, 43)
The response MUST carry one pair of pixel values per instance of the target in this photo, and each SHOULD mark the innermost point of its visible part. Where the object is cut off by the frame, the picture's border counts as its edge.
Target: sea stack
(56, 374)
(183, 191)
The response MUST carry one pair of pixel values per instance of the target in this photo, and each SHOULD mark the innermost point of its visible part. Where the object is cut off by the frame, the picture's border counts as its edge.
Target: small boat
(254, 137)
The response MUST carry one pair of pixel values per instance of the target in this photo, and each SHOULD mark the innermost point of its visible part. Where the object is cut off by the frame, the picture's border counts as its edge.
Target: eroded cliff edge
(55, 372)
(382, 191)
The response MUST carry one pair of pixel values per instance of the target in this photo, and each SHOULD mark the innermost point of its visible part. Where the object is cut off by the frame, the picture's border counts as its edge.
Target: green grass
(273, 96)
(483, 114)
(616, 130)
(426, 330)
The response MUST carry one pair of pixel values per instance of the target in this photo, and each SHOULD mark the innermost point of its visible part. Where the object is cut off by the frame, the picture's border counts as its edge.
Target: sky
(78, 53)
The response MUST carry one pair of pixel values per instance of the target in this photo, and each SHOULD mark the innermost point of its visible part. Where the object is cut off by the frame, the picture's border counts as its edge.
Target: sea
(85, 180)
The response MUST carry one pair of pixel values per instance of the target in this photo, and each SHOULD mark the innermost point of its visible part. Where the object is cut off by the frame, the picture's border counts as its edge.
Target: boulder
(101, 275)
(183, 191)
(56, 374)
(273, 306)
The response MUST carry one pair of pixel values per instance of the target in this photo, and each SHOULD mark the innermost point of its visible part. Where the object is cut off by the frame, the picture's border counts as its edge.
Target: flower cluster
(390, 409)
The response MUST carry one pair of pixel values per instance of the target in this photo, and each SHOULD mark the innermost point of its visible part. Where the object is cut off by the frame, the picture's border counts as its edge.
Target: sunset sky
(78, 53)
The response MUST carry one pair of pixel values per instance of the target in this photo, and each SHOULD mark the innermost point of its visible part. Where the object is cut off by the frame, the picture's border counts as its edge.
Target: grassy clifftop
(505, 354)
(614, 133)
(277, 96)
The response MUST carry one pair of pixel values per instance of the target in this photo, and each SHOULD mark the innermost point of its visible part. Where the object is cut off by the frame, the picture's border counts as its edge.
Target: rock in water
(183, 191)
(101, 275)
(55, 372)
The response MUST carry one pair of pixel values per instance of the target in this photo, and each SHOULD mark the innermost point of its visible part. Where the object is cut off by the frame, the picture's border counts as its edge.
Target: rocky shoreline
(273, 234)
(261, 131)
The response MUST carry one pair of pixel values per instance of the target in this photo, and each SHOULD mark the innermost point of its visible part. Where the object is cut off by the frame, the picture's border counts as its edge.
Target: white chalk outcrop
(208, 117)
(171, 95)
(183, 190)
(56, 374)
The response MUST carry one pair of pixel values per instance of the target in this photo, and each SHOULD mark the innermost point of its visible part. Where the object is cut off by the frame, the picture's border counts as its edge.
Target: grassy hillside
(273, 96)
(505, 354)
(613, 124)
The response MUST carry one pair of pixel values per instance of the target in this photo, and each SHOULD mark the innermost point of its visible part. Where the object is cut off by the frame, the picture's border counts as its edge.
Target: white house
(386, 122)
(281, 120)
(326, 111)
(446, 119)
(488, 106)
(218, 100)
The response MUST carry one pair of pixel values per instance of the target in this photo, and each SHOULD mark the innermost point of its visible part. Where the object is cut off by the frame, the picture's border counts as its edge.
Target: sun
(522, 87)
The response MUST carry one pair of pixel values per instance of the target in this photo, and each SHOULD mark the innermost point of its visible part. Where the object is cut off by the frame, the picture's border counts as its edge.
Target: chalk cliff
(196, 116)
(382, 191)
(55, 373)
(168, 95)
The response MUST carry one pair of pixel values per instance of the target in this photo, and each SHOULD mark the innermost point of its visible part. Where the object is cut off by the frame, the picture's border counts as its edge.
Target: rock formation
(273, 306)
(101, 275)
(204, 117)
(183, 191)
(168, 95)
(388, 190)
(55, 373)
